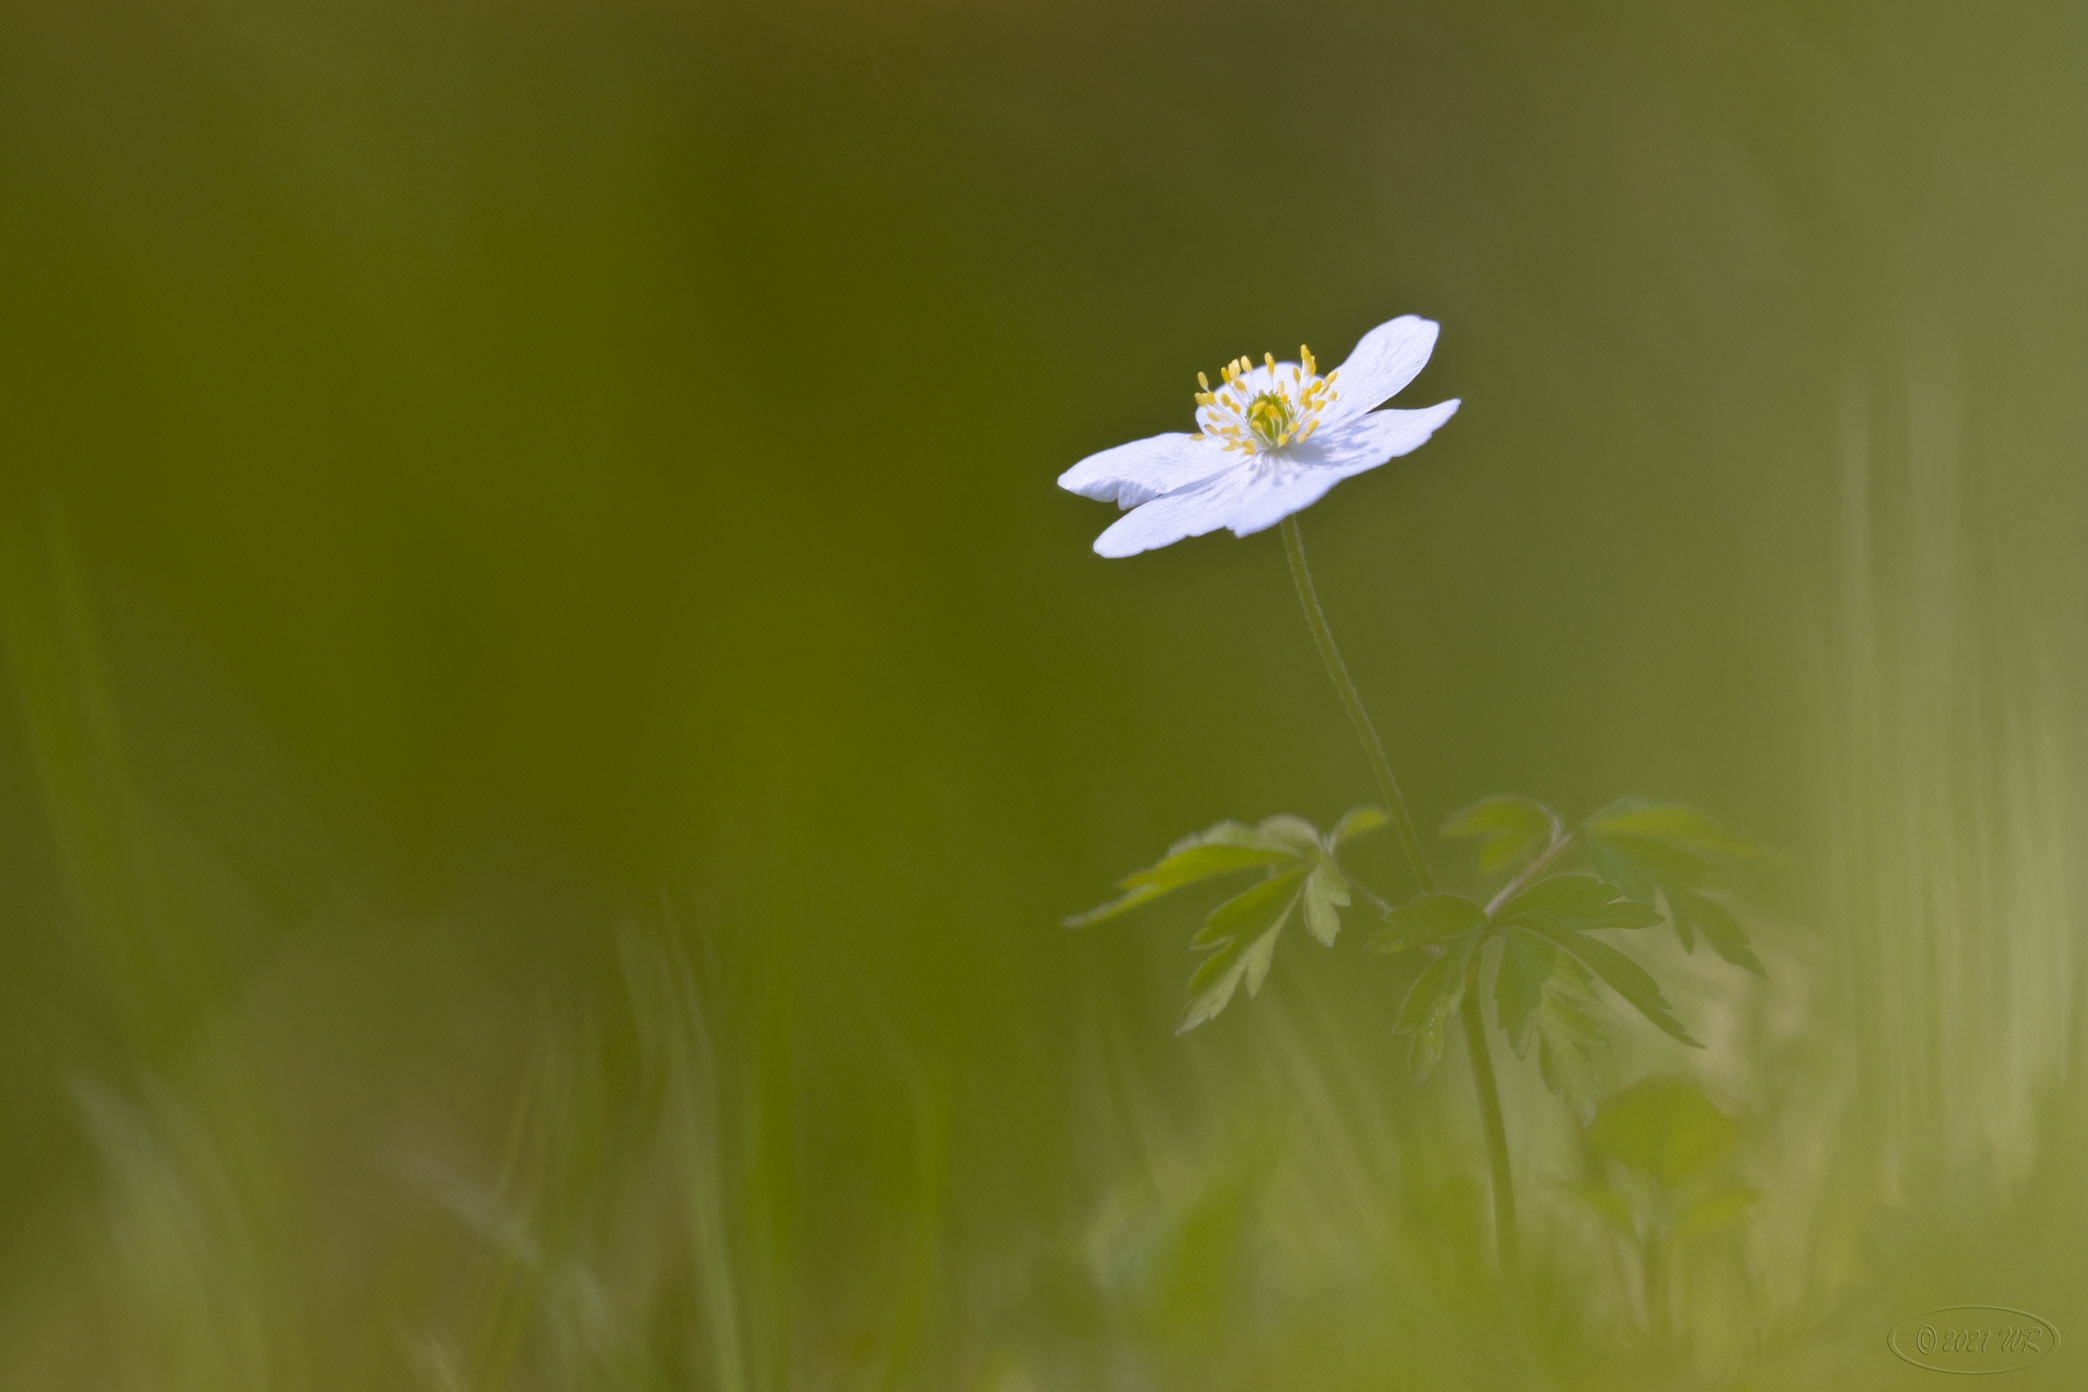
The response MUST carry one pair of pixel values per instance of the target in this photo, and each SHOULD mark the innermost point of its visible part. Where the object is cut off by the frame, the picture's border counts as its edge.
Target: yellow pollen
(1285, 411)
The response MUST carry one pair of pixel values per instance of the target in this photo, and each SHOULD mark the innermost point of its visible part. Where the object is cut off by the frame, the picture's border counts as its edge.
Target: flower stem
(1506, 1241)
(1373, 748)
(1561, 842)
(1483, 1084)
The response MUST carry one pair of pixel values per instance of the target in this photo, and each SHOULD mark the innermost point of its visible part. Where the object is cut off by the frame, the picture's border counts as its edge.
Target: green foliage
(1430, 1003)
(1580, 902)
(1674, 1143)
(1326, 891)
(1253, 911)
(1358, 820)
(1226, 847)
(1647, 862)
(1665, 1129)
(1650, 862)
(1543, 994)
(1673, 824)
(1427, 918)
(1509, 828)
(1667, 851)
(1542, 987)
(1298, 865)
(1622, 975)
(1244, 930)
(1294, 833)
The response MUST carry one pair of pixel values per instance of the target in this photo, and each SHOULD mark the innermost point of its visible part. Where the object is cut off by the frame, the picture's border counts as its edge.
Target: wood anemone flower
(1271, 439)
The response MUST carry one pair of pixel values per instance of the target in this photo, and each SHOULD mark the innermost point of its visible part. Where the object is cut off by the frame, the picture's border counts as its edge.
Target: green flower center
(1271, 418)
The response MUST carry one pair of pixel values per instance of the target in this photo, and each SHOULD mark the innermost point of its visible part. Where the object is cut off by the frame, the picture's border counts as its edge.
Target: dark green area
(553, 711)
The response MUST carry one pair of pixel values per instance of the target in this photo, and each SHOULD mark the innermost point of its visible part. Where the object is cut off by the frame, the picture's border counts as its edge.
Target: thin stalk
(1506, 1239)
(1653, 1269)
(1483, 1083)
(1370, 901)
(1373, 748)
(1530, 872)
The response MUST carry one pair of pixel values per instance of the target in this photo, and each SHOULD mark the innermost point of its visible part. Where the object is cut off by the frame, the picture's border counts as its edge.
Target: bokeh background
(554, 708)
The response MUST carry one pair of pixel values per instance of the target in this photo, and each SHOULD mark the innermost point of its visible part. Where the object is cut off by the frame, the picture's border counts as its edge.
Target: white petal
(1387, 358)
(1370, 440)
(1192, 511)
(1279, 490)
(1130, 474)
(1257, 494)
(1276, 493)
(1252, 497)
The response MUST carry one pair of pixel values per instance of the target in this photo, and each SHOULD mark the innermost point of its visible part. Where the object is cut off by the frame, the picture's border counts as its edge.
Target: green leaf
(1676, 824)
(1624, 976)
(1112, 908)
(1220, 850)
(1257, 914)
(1509, 828)
(1665, 1128)
(1647, 870)
(1526, 960)
(1679, 875)
(1614, 1205)
(1566, 1002)
(1564, 1035)
(1200, 863)
(1717, 1207)
(1580, 900)
(1326, 890)
(1432, 1001)
(1357, 821)
(1621, 870)
(1212, 987)
(1667, 865)
(1299, 835)
(1231, 834)
(1723, 931)
(1427, 918)
(1540, 993)
(1259, 955)
(1439, 982)
(1640, 845)
(1255, 911)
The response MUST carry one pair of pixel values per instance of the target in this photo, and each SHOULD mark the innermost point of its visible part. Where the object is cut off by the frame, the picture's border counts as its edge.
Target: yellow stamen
(1282, 411)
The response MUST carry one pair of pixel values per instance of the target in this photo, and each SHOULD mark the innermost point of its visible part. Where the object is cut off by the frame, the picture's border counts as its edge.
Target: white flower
(1273, 438)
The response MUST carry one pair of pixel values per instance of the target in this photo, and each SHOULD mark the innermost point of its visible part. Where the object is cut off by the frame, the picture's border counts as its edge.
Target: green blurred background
(556, 708)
